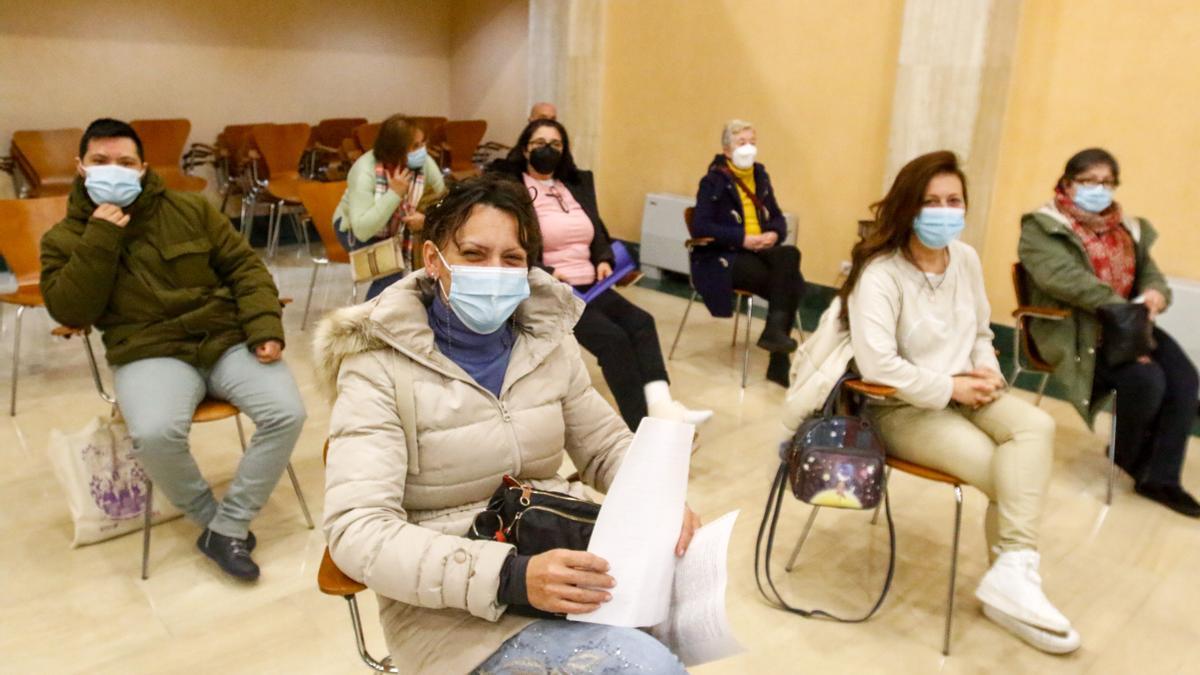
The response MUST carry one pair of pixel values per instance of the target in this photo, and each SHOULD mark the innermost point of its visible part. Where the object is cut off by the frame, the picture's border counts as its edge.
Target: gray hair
(732, 128)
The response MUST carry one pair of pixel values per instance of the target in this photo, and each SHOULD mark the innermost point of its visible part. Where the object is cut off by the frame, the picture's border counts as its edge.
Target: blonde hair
(732, 128)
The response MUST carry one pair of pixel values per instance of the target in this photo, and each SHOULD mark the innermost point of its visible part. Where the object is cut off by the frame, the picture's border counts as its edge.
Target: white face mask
(743, 155)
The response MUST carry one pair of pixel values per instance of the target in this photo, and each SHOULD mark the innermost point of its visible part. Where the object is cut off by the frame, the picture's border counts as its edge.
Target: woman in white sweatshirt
(919, 321)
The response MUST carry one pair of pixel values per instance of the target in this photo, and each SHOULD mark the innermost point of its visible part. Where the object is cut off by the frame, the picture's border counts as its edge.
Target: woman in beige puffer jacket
(417, 447)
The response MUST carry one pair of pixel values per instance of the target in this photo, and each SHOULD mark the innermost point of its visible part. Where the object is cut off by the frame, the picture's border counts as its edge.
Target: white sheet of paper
(697, 629)
(639, 524)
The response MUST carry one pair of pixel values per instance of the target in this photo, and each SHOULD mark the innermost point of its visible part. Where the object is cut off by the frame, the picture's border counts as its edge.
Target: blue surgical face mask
(1093, 198)
(112, 184)
(937, 226)
(416, 158)
(483, 298)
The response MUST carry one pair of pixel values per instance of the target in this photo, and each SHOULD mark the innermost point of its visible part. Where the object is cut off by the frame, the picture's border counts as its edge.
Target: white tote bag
(104, 484)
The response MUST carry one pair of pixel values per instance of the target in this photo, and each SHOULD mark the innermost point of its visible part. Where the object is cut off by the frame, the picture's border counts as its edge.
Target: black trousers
(1156, 406)
(624, 340)
(773, 274)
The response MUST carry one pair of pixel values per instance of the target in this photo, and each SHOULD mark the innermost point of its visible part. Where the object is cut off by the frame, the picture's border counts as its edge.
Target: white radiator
(663, 233)
(1182, 318)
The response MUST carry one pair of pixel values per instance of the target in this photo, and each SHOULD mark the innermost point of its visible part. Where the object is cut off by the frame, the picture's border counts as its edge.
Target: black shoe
(251, 542)
(775, 337)
(232, 555)
(779, 370)
(1170, 495)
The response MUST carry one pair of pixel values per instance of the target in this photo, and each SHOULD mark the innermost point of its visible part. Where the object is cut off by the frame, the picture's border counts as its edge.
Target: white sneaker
(677, 412)
(1047, 641)
(1013, 587)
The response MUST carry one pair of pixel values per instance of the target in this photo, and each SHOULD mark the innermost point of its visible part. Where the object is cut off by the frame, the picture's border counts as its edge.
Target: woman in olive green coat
(1080, 252)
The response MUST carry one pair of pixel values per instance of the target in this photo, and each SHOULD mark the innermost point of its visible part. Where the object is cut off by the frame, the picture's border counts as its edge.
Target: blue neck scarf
(484, 357)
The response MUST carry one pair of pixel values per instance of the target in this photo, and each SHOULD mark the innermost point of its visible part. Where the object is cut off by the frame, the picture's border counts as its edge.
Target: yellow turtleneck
(749, 213)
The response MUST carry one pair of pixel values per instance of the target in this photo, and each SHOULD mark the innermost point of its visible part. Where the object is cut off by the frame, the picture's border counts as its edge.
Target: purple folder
(623, 264)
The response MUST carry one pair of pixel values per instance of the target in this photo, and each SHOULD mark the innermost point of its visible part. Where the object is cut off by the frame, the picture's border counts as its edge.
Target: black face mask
(545, 159)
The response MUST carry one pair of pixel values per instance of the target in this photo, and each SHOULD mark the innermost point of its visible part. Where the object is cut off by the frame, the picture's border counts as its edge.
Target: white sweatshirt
(914, 333)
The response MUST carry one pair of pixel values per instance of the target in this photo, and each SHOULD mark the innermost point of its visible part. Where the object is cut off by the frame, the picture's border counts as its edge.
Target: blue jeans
(377, 285)
(570, 648)
(157, 398)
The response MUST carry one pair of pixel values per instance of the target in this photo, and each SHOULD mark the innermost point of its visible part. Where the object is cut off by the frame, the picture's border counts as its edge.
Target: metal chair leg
(384, 666)
(146, 524)
(746, 352)
(16, 362)
(679, 331)
(1042, 388)
(308, 301)
(1112, 454)
(812, 516)
(300, 495)
(958, 502)
(737, 316)
(354, 293)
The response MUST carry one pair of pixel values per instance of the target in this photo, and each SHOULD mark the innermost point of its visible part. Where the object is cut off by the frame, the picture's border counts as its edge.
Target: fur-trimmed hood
(397, 319)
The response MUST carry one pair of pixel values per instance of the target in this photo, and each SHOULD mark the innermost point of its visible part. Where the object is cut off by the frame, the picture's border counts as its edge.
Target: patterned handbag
(833, 460)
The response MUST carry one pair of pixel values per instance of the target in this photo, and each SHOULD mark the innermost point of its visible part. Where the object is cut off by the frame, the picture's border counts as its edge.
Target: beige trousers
(1005, 449)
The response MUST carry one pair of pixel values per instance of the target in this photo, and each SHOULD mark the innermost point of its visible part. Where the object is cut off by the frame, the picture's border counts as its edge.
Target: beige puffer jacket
(397, 500)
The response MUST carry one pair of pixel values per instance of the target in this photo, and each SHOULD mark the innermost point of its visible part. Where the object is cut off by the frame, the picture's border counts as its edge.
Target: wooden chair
(878, 391)
(325, 145)
(25, 221)
(1024, 316)
(462, 138)
(332, 581)
(364, 139)
(691, 243)
(281, 147)
(46, 160)
(162, 147)
(321, 201)
(209, 410)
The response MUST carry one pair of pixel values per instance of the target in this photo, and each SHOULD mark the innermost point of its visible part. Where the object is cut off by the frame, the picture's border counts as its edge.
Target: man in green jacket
(187, 310)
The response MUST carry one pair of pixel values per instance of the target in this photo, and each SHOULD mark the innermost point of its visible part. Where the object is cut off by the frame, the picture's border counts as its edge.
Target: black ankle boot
(232, 555)
(775, 338)
(779, 370)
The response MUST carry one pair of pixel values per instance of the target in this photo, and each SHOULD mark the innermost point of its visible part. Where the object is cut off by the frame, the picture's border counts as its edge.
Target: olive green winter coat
(1061, 275)
(178, 281)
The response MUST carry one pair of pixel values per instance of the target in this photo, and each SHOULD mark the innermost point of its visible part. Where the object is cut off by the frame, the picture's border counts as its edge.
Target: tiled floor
(1126, 576)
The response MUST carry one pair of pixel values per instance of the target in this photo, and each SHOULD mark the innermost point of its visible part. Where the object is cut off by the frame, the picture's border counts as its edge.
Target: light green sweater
(364, 215)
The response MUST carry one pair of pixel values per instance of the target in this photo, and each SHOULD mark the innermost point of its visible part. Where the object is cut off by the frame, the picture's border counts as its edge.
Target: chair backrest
(281, 146)
(432, 126)
(25, 221)
(330, 133)
(162, 140)
(47, 158)
(1020, 279)
(321, 201)
(463, 137)
(365, 135)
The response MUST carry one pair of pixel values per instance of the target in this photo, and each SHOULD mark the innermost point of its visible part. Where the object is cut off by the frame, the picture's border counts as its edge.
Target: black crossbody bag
(535, 521)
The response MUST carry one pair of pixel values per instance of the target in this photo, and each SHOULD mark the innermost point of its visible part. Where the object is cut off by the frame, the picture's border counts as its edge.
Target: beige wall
(1117, 74)
(220, 62)
(489, 65)
(816, 78)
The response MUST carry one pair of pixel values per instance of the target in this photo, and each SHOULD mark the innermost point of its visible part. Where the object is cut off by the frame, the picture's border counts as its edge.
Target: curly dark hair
(446, 218)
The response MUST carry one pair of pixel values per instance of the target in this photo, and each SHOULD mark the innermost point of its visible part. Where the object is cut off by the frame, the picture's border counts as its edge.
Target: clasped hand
(978, 387)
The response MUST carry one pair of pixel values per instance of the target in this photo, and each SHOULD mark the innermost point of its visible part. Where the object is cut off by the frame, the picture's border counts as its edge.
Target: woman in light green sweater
(920, 322)
(387, 192)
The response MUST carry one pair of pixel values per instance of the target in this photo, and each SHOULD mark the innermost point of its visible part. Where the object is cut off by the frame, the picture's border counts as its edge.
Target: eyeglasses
(562, 204)
(1109, 183)
(541, 143)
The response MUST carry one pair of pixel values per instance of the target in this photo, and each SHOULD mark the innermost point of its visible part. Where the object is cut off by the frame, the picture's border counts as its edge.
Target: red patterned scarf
(1109, 246)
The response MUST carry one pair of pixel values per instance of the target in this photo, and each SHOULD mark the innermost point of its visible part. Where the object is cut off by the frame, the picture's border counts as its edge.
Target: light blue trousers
(569, 648)
(158, 397)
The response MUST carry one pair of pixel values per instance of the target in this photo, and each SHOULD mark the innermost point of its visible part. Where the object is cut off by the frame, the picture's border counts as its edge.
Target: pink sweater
(566, 231)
